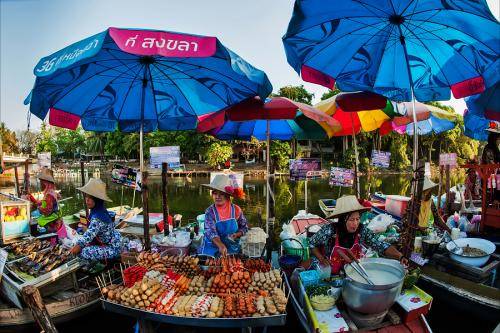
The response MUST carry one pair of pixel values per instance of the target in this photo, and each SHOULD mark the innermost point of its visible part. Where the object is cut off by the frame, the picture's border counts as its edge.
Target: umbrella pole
(268, 142)
(144, 174)
(356, 162)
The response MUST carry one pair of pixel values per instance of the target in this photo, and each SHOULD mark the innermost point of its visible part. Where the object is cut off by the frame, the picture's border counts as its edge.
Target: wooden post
(271, 217)
(16, 176)
(33, 299)
(26, 176)
(164, 180)
(145, 206)
(82, 171)
(440, 188)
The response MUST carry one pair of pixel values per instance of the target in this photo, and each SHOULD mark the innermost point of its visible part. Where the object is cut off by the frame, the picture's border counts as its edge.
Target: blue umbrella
(141, 80)
(483, 112)
(401, 49)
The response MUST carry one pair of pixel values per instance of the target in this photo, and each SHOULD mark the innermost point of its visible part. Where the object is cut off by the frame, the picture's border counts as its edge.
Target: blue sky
(32, 29)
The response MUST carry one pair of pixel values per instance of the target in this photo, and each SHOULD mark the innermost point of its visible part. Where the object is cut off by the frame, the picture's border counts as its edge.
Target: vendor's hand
(236, 235)
(222, 250)
(324, 261)
(76, 249)
(404, 261)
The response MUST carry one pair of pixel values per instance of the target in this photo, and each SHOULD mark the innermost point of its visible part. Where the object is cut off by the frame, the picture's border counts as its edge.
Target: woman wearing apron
(347, 233)
(224, 221)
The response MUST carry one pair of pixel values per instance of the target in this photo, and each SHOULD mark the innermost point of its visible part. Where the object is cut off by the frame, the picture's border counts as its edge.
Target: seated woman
(347, 233)
(101, 241)
(224, 221)
(50, 215)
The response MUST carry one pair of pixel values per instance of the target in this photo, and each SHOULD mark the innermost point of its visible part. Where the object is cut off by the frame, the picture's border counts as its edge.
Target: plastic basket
(302, 252)
(253, 250)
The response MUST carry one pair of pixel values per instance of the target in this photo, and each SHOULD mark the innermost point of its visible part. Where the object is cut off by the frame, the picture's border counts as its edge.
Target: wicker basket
(303, 251)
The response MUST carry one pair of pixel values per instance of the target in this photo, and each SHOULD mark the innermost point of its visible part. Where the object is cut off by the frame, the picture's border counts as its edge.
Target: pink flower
(338, 315)
(415, 299)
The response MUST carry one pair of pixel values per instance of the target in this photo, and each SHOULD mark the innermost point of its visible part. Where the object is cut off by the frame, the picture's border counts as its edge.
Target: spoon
(457, 249)
(356, 268)
(353, 257)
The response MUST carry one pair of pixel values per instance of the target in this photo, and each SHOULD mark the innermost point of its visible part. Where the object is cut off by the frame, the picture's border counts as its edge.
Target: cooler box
(396, 204)
(14, 218)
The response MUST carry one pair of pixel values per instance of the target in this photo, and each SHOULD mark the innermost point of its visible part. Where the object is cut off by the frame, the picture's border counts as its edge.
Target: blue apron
(224, 229)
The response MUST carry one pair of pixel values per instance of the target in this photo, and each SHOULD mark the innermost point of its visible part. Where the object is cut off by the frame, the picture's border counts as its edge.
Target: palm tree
(96, 143)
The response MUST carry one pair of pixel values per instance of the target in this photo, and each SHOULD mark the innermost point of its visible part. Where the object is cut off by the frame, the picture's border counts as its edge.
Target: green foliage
(27, 141)
(69, 143)
(9, 140)
(399, 152)
(46, 142)
(280, 152)
(296, 93)
(330, 93)
(217, 153)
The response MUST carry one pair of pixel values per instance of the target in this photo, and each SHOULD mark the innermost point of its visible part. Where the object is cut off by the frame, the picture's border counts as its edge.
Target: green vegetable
(317, 290)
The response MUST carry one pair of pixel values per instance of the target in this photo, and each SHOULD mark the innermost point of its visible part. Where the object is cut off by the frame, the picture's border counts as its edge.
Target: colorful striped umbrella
(483, 112)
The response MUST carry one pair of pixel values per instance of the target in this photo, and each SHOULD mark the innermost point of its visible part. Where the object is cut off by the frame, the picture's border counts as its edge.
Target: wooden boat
(307, 316)
(327, 206)
(62, 307)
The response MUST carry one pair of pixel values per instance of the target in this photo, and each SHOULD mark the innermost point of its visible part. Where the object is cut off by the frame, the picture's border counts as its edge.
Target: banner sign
(381, 159)
(168, 154)
(305, 168)
(341, 177)
(427, 169)
(44, 160)
(126, 176)
(448, 159)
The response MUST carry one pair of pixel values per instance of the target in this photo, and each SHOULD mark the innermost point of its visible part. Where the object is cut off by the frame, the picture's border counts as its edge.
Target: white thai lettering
(183, 45)
(162, 44)
(171, 47)
(131, 40)
(195, 46)
(148, 42)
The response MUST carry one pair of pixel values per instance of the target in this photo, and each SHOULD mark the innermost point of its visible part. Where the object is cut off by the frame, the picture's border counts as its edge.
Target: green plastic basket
(302, 252)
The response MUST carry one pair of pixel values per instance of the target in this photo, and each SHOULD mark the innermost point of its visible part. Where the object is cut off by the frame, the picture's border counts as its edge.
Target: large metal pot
(365, 298)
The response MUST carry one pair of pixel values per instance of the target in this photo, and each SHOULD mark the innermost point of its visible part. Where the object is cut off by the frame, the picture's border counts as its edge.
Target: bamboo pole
(26, 176)
(16, 176)
(82, 171)
(164, 180)
(145, 205)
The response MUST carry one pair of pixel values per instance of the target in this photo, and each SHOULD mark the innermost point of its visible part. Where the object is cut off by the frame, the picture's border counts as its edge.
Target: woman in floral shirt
(347, 234)
(101, 241)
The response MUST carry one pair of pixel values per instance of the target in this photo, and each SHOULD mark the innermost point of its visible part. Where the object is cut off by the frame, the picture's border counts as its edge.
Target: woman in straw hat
(428, 214)
(224, 221)
(346, 234)
(51, 217)
(101, 241)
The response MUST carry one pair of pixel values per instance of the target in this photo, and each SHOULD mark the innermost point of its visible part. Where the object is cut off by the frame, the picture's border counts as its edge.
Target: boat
(327, 206)
(340, 319)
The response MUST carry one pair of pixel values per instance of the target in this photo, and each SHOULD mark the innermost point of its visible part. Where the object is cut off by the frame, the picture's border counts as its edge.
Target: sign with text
(126, 176)
(166, 154)
(381, 159)
(448, 159)
(341, 177)
(44, 160)
(305, 168)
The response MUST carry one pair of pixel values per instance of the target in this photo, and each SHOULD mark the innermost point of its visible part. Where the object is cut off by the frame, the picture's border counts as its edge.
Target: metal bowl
(477, 243)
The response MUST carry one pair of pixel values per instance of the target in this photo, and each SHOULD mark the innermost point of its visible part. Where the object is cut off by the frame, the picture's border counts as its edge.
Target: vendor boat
(327, 206)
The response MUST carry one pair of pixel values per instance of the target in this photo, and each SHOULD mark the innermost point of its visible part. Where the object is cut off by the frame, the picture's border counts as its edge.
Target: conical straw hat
(46, 174)
(221, 183)
(428, 184)
(347, 204)
(96, 188)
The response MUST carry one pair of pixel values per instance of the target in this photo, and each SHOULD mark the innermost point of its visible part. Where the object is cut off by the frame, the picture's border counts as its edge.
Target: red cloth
(160, 226)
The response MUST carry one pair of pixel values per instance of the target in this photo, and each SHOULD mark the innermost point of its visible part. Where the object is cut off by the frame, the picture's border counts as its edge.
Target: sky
(32, 29)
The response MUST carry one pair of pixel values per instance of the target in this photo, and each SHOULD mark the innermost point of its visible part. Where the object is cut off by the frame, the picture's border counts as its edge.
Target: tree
(96, 143)
(69, 143)
(46, 142)
(280, 152)
(27, 141)
(9, 140)
(330, 93)
(217, 153)
(296, 93)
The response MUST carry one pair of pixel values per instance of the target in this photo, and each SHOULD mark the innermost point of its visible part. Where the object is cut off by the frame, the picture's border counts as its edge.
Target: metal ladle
(358, 268)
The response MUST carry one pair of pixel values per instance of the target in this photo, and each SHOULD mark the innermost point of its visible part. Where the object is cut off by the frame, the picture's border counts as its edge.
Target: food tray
(60, 270)
(276, 320)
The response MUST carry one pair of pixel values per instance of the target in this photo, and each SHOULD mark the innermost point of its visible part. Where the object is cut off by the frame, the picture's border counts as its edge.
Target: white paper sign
(427, 171)
(44, 160)
(166, 154)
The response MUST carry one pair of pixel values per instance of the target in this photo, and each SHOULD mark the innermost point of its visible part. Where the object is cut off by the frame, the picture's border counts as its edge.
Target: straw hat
(46, 174)
(96, 188)
(347, 204)
(428, 184)
(226, 184)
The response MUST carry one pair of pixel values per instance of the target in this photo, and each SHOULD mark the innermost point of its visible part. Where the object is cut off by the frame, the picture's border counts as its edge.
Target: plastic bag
(380, 223)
